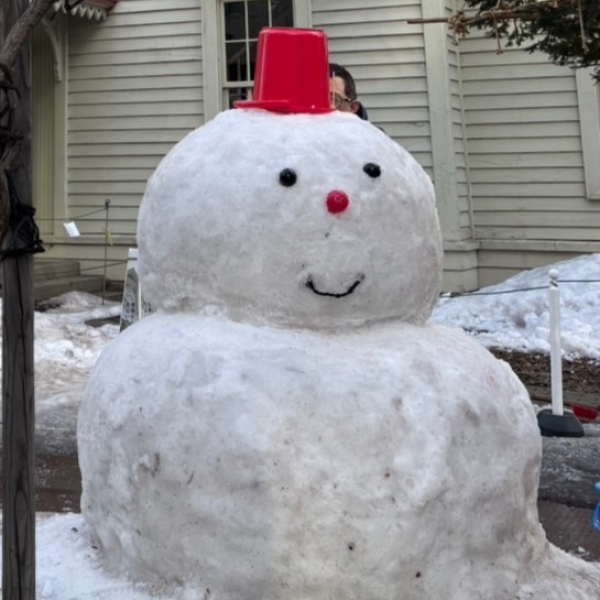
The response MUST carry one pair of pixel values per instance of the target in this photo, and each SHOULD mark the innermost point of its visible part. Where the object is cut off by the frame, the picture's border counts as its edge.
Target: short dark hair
(336, 70)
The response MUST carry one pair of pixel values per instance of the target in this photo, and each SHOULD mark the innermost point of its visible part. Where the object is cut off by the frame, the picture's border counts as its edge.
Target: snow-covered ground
(66, 349)
(520, 320)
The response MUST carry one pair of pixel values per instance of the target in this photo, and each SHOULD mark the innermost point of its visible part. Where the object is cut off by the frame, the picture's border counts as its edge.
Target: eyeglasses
(338, 101)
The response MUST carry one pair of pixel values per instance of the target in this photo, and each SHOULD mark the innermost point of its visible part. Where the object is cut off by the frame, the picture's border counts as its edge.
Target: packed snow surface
(240, 215)
(286, 425)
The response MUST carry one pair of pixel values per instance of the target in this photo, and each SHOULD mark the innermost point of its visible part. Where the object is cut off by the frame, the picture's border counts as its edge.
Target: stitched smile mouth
(311, 286)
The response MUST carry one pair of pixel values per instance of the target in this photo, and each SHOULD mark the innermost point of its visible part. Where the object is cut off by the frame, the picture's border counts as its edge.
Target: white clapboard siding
(459, 133)
(525, 152)
(386, 58)
(135, 89)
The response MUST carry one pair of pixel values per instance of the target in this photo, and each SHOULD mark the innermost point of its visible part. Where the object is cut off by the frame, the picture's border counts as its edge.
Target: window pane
(235, 94)
(258, 17)
(253, 46)
(282, 13)
(237, 62)
(235, 21)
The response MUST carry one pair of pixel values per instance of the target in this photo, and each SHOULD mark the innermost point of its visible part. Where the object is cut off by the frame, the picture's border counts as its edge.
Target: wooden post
(18, 507)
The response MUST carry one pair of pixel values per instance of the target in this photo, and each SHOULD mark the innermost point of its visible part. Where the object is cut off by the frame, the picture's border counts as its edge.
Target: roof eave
(89, 9)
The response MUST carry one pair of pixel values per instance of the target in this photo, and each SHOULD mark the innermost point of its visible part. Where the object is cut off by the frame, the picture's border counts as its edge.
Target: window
(230, 31)
(242, 21)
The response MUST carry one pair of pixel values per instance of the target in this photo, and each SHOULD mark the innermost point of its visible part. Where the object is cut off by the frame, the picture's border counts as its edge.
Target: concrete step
(53, 277)
(50, 288)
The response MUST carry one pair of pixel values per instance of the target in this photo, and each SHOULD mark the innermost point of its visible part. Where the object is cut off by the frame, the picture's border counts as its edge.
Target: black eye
(372, 170)
(288, 177)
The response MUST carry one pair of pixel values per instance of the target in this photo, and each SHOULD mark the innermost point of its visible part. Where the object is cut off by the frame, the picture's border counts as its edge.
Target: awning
(88, 9)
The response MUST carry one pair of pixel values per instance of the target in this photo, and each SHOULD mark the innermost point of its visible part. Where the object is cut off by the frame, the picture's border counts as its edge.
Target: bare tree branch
(12, 44)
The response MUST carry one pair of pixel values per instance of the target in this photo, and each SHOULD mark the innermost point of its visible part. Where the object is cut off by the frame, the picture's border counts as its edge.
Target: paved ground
(58, 489)
(570, 528)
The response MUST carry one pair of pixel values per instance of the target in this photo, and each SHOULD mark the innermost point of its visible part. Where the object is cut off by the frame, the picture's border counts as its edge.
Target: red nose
(337, 202)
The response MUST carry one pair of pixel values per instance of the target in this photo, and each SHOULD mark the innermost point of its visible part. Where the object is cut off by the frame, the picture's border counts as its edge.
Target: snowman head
(291, 219)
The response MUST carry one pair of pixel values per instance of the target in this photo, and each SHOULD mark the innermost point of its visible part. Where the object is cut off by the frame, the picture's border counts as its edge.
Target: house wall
(386, 57)
(134, 89)
(526, 159)
(499, 134)
(408, 77)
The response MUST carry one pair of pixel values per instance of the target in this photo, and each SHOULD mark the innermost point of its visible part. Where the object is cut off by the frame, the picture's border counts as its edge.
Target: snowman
(287, 425)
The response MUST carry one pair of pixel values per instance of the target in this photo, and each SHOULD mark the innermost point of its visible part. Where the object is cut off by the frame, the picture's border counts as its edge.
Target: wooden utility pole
(18, 506)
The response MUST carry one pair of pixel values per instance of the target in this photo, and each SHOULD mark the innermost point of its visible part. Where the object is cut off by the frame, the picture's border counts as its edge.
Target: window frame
(588, 98)
(213, 45)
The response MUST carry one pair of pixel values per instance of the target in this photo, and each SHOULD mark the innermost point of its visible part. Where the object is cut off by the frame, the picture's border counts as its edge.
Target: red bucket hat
(292, 72)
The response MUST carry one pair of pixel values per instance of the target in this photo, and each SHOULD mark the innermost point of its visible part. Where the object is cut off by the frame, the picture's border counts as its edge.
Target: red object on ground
(337, 202)
(585, 413)
(292, 72)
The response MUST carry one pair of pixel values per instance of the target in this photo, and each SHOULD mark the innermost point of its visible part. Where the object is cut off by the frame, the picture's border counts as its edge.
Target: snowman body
(286, 425)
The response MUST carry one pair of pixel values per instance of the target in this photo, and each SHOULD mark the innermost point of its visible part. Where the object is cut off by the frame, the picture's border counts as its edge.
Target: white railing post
(555, 345)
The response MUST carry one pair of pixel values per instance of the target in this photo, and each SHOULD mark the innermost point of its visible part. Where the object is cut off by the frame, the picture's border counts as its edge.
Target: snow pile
(521, 321)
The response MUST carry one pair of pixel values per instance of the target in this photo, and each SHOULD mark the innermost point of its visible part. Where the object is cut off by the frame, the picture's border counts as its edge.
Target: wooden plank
(133, 161)
(120, 149)
(108, 188)
(124, 46)
(136, 70)
(537, 233)
(537, 85)
(320, 6)
(515, 131)
(503, 203)
(520, 261)
(122, 84)
(150, 55)
(382, 43)
(535, 219)
(485, 58)
(523, 115)
(509, 72)
(519, 190)
(481, 147)
(520, 101)
(518, 160)
(125, 124)
(107, 175)
(115, 137)
(386, 114)
(373, 15)
(352, 31)
(147, 109)
(527, 175)
(352, 59)
(134, 96)
(399, 100)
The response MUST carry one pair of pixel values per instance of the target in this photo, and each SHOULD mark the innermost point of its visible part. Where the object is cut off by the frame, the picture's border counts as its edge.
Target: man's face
(339, 100)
